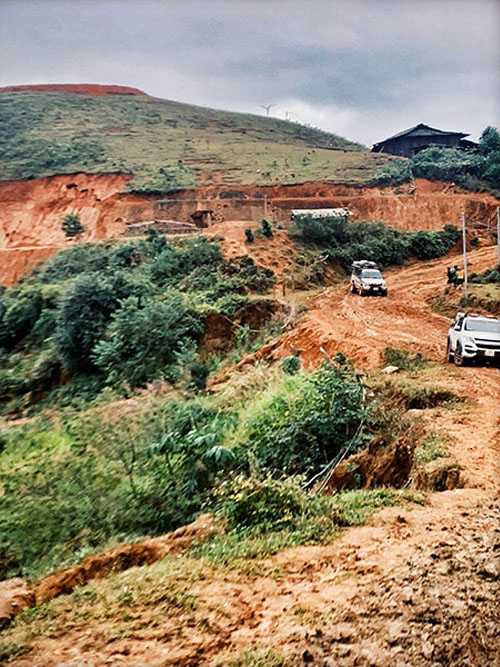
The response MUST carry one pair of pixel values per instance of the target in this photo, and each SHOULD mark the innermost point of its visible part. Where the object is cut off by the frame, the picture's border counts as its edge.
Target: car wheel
(449, 353)
(384, 293)
(458, 357)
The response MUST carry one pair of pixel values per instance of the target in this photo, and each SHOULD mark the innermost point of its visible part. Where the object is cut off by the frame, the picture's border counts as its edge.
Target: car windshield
(489, 326)
(371, 273)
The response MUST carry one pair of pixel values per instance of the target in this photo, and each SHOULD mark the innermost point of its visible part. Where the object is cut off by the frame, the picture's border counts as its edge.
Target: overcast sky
(364, 69)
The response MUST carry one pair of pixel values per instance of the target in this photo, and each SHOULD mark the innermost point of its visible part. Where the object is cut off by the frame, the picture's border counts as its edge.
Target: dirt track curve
(418, 586)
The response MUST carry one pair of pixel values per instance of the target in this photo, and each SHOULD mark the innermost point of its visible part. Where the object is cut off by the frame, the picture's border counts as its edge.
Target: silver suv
(367, 279)
(474, 337)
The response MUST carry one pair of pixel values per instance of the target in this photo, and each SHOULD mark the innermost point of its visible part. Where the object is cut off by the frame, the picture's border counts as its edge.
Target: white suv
(367, 279)
(473, 337)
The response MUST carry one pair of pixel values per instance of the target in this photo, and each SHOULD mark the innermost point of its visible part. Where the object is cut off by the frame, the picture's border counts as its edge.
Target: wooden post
(464, 243)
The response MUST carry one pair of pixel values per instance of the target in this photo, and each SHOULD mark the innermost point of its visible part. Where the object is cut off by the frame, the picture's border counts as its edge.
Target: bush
(346, 242)
(143, 338)
(430, 245)
(266, 229)
(489, 277)
(82, 318)
(249, 235)
(291, 364)
(301, 422)
(71, 225)
(395, 172)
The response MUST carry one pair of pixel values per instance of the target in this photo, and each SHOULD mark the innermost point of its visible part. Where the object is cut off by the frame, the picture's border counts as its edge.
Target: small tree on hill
(266, 229)
(71, 225)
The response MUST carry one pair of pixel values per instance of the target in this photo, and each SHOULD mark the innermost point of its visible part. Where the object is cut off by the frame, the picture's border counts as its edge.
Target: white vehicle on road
(473, 337)
(367, 279)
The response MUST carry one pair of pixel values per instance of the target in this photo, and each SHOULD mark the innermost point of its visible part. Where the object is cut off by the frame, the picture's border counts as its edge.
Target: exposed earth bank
(31, 211)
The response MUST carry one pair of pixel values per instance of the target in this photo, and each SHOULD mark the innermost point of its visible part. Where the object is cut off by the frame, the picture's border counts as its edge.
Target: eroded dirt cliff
(31, 211)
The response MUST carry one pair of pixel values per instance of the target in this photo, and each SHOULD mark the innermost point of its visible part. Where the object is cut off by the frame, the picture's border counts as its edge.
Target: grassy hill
(165, 145)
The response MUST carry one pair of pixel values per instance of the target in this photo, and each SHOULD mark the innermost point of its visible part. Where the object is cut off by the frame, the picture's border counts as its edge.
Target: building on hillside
(409, 142)
(320, 213)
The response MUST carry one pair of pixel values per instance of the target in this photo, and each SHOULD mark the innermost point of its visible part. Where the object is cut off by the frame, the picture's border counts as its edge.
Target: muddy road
(419, 585)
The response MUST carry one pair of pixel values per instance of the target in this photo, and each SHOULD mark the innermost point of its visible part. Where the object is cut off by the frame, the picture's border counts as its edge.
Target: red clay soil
(17, 594)
(93, 89)
(362, 328)
(31, 211)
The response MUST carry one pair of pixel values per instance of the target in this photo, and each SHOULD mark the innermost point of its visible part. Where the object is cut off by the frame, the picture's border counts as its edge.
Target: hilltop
(62, 129)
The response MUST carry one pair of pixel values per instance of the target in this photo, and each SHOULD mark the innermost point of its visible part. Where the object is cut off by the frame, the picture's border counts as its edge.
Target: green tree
(83, 314)
(71, 225)
(143, 339)
(489, 141)
(266, 228)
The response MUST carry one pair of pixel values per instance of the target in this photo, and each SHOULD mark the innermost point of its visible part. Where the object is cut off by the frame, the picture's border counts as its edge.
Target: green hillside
(167, 145)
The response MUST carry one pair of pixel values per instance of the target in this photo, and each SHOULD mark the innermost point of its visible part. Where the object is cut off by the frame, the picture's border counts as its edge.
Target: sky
(363, 69)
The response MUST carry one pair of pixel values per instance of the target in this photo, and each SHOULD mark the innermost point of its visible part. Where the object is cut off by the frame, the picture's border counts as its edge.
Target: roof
(320, 212)
(421, 130)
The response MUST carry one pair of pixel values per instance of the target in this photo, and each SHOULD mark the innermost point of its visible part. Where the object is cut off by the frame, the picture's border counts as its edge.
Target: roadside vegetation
(73, 484)
(343, 242)
(475, 171)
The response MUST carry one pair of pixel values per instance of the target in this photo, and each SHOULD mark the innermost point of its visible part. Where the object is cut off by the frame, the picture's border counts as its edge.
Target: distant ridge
(93, 89)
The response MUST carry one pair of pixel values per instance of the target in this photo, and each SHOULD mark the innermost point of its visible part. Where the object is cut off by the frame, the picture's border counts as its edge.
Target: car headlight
(469, 341)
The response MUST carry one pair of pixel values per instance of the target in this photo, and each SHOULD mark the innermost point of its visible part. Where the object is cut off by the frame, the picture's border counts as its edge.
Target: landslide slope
(63, 129)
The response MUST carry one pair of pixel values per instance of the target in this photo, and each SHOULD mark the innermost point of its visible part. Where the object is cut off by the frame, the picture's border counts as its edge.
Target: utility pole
(464, 243)
(287, 115)
(267, 107)
(498, 233)
(265, 207)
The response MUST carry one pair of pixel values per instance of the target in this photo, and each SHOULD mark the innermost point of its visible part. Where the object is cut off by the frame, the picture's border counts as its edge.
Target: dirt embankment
(31, 211)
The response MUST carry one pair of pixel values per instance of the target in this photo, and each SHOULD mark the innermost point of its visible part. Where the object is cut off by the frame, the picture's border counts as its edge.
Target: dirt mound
(94, 89)
(16, 594)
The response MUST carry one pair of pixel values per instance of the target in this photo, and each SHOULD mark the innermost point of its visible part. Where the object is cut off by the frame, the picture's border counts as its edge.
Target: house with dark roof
(409, 142)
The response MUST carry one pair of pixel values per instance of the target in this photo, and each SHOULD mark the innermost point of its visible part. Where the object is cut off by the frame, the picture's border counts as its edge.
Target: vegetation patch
(434, 446)
(101, 315)
(344, 242)
(167, 146)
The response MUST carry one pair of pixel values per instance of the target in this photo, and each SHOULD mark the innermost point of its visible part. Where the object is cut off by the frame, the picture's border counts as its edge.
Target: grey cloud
(379, 63)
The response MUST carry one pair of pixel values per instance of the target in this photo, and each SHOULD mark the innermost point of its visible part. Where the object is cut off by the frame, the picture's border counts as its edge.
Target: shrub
(403, 359)
(143, 338)
(489, 277)
(199, 374)
(266, 228)
(249, 235)
(302, 421)
(71, 225)
(430, 245)
(291, 364)
(82, 317)
(395, 172)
